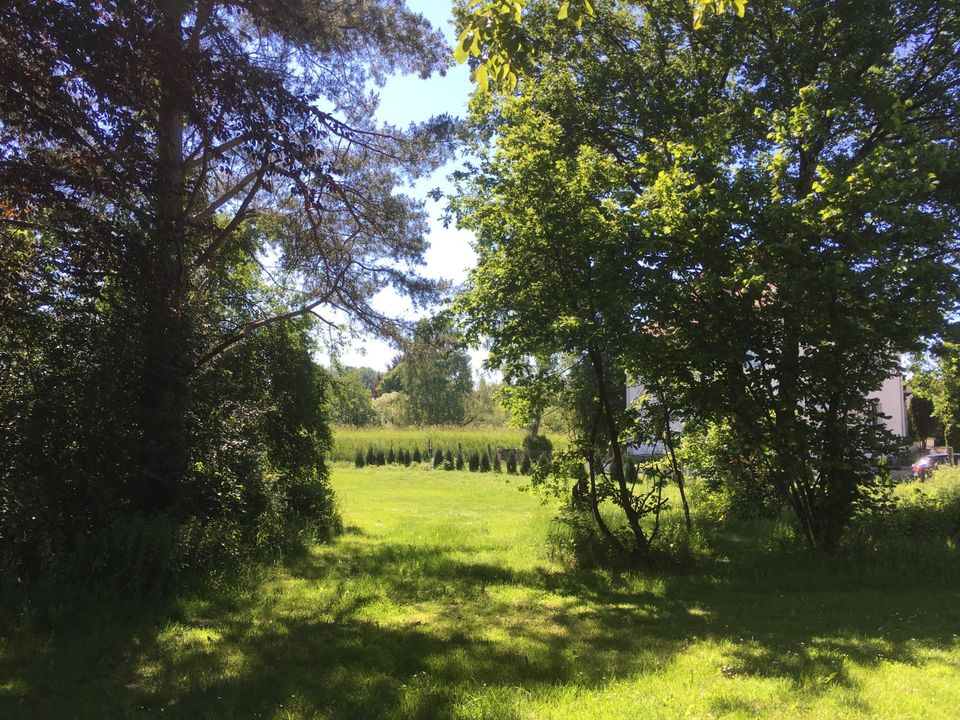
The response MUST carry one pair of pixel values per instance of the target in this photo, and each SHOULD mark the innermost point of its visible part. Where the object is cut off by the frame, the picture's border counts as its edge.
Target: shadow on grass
(462, 629)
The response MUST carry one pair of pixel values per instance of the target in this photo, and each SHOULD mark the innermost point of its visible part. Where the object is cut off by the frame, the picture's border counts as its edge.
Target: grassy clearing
(347, 440)
(442, 601)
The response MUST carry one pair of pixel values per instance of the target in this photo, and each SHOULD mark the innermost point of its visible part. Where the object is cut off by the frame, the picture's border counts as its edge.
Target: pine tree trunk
(166, 343)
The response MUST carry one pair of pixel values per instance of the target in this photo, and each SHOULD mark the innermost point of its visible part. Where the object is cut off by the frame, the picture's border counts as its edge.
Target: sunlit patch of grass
(443, 600)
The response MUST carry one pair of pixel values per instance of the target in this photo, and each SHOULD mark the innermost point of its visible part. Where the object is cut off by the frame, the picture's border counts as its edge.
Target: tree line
(429, 383)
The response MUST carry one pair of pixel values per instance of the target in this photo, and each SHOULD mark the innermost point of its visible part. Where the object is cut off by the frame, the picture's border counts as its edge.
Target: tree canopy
(177, 177)
(754, 219)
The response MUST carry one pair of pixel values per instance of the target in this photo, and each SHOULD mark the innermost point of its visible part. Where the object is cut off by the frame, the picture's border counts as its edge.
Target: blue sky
(406, 99)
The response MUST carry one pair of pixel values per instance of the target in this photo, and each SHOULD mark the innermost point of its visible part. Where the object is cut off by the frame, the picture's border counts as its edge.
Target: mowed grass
(442, 600)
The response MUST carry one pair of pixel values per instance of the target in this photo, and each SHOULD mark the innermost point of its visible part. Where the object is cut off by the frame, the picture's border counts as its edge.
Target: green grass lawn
(442, 601)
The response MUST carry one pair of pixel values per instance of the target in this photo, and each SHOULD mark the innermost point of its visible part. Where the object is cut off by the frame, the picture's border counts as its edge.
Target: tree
(754, 220)
(351, 399)
(188, 175)
(483, 407)
(495, 34)
(552, 258)
(436, 375)
(154, 141)
(939, 384)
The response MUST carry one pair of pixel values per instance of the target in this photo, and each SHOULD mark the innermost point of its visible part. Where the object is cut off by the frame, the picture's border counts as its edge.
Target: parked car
(925, 465)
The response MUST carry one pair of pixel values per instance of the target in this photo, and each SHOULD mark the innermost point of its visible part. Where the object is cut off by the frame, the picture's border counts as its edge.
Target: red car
(925, 465)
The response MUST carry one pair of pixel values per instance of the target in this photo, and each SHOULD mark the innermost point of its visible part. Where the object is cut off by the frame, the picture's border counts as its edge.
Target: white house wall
(890, 404)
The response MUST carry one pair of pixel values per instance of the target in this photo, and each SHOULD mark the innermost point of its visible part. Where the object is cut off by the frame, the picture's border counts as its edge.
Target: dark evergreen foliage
(525, 465)
(484, 463)
(154, 394)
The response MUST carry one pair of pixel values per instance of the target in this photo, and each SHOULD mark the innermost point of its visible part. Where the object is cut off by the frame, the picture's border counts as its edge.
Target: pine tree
(391, 456)
(525, 465)
(496, 463)
(473, 464)
(512, 462)
(417, 457)
(371, 455)
(448, 460)
(459, 458)
(438, 458)
(358, 460)
(381, 458)
(484, 463)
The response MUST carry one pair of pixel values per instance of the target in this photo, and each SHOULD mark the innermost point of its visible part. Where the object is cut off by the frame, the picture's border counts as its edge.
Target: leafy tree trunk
(642, 544)
(677, 470)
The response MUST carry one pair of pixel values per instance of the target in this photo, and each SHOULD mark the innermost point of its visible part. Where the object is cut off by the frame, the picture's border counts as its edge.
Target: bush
(381, 457)
(525, 465)
(537, 447)
(371, 455)
(76, 518)
(391, 457)
(417, 457)
(459, 458)
(438, 458)
(448, 460)
(485, 463)
(496, 463)
(473, 464)
(358, 460)
(512, 462)
(734, 475)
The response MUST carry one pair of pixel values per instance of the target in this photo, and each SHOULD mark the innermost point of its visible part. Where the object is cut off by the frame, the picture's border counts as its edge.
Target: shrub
(512, 462)
(371, 455)
(496, 463)
(381, 458)
(484, 463)
(448, 460)
(358, 460)
(438, 458)
(537, 447)
(391, 457)
(459, 458)
(474, 462)
(525, 465)
(417, 457)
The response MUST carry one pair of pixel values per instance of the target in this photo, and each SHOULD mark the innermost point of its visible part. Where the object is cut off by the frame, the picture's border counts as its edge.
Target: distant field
(347, 440)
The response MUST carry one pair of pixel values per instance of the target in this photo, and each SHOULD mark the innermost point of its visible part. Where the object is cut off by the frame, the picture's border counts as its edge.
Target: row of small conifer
(514, 461)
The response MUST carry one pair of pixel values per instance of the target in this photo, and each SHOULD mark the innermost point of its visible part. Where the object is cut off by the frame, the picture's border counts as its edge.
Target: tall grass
(348, 440)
